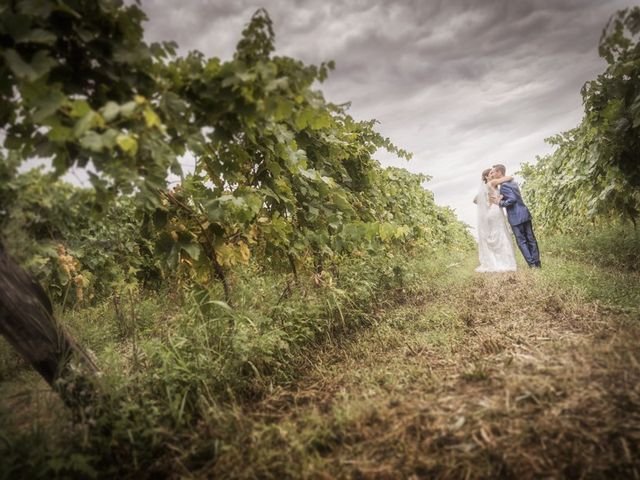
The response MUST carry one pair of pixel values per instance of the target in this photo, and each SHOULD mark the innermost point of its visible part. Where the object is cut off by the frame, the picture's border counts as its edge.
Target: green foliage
(284, 181)
(406, 214)
(76, 85)
(281, 173)
(610, 248)
(612, 100)
(51, 227)
(602, 265)
(277, 166)
(190, 356)
(594, 174)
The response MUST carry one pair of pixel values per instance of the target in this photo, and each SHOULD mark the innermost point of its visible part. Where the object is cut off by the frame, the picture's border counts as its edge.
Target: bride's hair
(485, 174)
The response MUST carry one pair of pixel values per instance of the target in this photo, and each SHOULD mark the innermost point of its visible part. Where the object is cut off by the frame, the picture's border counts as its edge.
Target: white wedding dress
(495, 247)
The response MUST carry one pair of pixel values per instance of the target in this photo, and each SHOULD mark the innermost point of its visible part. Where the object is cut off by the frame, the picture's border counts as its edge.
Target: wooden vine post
(28, 324)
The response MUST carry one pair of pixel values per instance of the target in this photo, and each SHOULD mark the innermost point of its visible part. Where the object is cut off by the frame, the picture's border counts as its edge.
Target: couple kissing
(499, 192)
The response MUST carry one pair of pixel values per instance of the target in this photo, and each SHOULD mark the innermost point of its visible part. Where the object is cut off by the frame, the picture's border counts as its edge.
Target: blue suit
(520, 221)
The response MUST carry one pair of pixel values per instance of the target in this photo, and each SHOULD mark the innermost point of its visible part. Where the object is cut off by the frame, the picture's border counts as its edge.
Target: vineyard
(593, 175)
(292, 308)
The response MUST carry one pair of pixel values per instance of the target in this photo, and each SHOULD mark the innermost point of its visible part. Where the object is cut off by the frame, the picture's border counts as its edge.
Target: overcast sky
(463, 84)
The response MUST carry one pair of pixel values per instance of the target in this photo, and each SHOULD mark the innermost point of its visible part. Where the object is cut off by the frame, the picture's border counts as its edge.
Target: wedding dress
(495, 248)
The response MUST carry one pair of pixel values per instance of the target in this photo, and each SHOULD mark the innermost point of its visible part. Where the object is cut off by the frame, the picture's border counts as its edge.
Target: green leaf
(283, 109)
(220, 304)
(79, 108)
(37, 8)
(341, 202)
(59, 133)
(109, 138)
(110, 111)
(42, 63)
(38, 35)
(91, 120)
(304, 118)
(18, 66)
(320, 120)
(85, 35)
(48, 105)
(92, 141)
(151, 118)
(281, 83)
(174, 103)
(386, 232)
(193, 249)
(127, 143)
(127, 109)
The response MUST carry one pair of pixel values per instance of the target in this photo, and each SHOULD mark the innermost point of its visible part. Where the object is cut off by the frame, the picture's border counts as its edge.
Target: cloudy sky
(463, 84)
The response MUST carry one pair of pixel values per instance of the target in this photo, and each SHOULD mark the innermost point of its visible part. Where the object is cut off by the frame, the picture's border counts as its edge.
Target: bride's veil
(482, 202)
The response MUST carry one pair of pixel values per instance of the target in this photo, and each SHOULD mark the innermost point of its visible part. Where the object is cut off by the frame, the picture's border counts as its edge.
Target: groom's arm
(508, 197)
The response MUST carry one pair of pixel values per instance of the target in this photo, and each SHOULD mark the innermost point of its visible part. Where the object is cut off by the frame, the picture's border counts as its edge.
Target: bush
(614, 247)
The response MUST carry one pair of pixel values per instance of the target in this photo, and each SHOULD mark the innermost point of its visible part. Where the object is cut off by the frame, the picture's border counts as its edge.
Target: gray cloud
(462, 84)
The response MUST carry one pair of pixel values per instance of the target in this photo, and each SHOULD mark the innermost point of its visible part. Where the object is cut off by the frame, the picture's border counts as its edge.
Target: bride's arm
(494, 183)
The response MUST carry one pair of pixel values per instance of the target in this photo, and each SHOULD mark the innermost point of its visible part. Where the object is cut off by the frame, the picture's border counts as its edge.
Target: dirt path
(481, 376)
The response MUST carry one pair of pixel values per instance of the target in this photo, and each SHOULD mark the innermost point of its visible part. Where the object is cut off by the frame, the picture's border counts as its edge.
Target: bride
(494, 241)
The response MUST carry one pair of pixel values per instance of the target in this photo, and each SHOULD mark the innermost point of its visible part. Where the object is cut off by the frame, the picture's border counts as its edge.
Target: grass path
(479, 376)
(534, 374)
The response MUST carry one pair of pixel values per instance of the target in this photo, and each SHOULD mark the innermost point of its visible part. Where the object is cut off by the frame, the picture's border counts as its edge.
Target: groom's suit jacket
(517, 211)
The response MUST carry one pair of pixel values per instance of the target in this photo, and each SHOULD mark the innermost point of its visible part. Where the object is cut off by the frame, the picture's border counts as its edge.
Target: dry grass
(30, 400)
(485, 377)
(475, 376)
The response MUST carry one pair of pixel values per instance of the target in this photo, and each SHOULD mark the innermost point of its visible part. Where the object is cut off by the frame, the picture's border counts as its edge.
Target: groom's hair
(501, 168)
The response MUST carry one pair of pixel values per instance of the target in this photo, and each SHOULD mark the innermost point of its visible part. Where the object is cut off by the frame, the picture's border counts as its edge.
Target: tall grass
(182, 361)
(173, 359)
(598, 265)
(615, 247)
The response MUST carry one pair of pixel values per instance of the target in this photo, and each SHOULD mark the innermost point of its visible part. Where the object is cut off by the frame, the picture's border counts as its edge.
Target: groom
(518, 215)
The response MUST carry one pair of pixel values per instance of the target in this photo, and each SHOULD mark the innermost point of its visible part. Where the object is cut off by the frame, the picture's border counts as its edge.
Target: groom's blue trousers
(527, 243)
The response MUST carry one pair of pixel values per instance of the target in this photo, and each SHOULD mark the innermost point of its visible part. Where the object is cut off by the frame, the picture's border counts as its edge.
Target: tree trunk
(219, 272)
(292, 263)
(27, 322)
